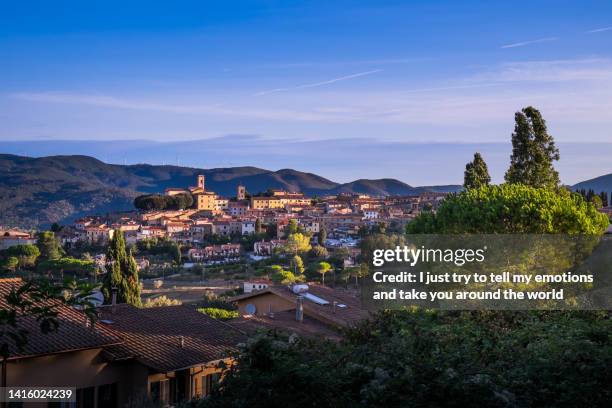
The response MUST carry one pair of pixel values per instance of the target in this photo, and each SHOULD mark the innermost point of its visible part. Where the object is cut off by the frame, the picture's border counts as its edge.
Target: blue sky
(387, 71)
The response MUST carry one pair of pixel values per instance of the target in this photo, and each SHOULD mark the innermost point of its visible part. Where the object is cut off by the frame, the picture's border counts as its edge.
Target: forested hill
(39, 191)
(597, 184)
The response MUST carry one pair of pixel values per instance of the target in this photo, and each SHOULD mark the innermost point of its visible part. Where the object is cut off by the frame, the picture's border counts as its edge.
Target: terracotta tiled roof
(153, 336)
(285, 321)
(341, 316)
(73, 333)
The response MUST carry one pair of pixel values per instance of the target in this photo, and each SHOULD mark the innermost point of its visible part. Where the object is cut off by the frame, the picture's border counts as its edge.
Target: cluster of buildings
(342, 216)
(13, 236)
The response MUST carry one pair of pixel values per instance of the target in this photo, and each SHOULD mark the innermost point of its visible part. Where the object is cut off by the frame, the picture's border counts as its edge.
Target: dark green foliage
(318, 252)
(49, 246)
(149, 202)
(26, 254)
(283, 277)
(71, 266)
(122, 272)
(476, 173)
(533, 151)
(599, 200)
(214, 301)
(322, 236)
(216, 313)
(512, 208)
(604, 198)
(431, 359)
(271, 230)
(176, 254)
(9, 264)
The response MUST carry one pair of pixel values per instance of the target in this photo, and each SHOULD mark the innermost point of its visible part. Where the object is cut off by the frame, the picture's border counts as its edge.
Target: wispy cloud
(588, 69)
(219, 109)
(342, 63)
(524, 43)
(110, 102)
(317, 84)
(576, 89)
(600, 30)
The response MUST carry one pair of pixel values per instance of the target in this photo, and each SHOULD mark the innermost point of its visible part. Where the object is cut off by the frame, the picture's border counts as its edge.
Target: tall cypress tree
(322, 236)
(122, 272)
(131, 283)
(533, 151)
(476, 173)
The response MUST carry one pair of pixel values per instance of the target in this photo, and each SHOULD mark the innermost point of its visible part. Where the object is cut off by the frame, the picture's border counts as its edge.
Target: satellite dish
(250, 309)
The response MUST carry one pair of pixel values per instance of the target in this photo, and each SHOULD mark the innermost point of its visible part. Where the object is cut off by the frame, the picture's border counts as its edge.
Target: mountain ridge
(598, 184)
(38, 191)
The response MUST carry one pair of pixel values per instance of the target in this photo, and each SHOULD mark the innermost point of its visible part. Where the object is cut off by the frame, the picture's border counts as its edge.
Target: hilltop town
(210, 229)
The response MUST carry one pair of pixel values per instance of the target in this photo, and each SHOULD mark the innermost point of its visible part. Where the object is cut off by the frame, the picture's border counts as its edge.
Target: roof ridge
(15, 279)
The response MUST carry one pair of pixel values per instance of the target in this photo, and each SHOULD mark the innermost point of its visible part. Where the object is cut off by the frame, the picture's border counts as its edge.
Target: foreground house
(165, 354)
(310, 310)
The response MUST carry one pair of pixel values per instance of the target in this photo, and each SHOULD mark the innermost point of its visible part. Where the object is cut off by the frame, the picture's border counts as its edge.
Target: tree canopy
(297, 243)
(476, 173)
(150, 202)
(512, 208)
(49, 246)
(533, 151)
(122, 272)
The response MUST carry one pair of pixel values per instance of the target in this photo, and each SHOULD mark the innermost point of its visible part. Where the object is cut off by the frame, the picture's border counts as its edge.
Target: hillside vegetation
(39, 191)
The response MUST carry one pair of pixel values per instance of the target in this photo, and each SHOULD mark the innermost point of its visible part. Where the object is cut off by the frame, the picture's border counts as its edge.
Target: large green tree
(27, 254)
(122, 272)
(297, 243)
(512, 208)
(476, 173)
(533, 151)
(49, 246)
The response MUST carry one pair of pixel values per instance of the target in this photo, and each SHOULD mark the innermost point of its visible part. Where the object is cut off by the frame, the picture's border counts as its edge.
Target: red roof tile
(153, 336)
(73, 333)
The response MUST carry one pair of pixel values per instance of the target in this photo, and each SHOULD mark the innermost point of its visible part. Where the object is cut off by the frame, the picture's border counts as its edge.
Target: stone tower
(201, 181)
(241, 192)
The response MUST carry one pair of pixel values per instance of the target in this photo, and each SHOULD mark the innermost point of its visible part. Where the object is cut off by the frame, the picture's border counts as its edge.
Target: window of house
(107, 396)
(209, 381)
(85, 397)
(160, 392)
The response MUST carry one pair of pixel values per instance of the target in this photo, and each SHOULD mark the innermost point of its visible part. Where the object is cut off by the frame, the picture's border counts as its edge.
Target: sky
(387, 72)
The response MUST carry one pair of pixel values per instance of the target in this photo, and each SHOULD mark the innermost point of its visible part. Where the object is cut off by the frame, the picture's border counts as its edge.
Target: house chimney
(270, 312)
(182, 341)
(299, 309)
(114, 300)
